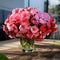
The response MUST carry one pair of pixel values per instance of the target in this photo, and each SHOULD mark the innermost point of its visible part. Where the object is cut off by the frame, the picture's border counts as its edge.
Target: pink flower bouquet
(30, 23)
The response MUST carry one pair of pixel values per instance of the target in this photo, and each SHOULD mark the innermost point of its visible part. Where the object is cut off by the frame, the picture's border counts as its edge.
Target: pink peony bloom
(9, 27)
(14, 11)
(34, 21)
(36, 17)
(25, 15)
(5, 29)
(36, 34)
(6, 21)
(14, 18)
(29, 35)
(23, 28)
(34, 29)
(33, 11)
(12, 27)
(15, 29)
(20, 10)
(24, 22)
(18, 34)
(12, 34)
(39, 38)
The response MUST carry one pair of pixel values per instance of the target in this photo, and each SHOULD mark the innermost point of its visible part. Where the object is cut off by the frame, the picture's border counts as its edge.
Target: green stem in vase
(27, 43)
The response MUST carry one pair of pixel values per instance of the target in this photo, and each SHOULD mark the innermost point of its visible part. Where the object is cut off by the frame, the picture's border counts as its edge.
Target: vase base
(27, 50)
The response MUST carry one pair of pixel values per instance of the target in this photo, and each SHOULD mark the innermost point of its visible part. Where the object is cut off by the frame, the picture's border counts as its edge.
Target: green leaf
(3, 57)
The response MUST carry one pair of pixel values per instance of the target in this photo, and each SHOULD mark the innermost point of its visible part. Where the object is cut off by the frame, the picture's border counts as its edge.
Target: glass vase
(27, 45)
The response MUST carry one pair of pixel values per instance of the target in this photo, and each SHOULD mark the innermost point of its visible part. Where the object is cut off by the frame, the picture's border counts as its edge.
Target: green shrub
(3, 57)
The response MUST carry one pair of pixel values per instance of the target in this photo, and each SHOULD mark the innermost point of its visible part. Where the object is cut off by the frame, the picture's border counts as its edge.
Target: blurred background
(50, 6)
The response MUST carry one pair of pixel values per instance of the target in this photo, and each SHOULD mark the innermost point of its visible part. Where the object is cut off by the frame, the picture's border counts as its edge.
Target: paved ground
(14, 43)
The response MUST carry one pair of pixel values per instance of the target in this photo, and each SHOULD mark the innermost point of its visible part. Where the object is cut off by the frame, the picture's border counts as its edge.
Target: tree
(58, 13)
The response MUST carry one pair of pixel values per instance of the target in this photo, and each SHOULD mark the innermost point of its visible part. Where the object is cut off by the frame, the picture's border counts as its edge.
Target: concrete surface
(15, 43)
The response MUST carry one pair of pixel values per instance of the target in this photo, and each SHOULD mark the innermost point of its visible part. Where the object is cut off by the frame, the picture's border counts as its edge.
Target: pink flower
(36, 17)
(23, 28)
(5, 29)
(34, 21)
(45, 16)
(12, 27)
(42, 21)
(36, 34)
(34, 29)
(20, 10)
(14, 18)
(39, 38)
(29, 35)
(28, 8)
(14, 11)
(15, 29)
(9, 27)
(25, 15)
(6, 21)
(24, 22)
(12, 34)
(33, 11)
(18, 34)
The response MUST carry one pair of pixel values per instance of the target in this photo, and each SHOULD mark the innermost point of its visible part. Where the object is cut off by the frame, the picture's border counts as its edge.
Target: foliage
(3, 57)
